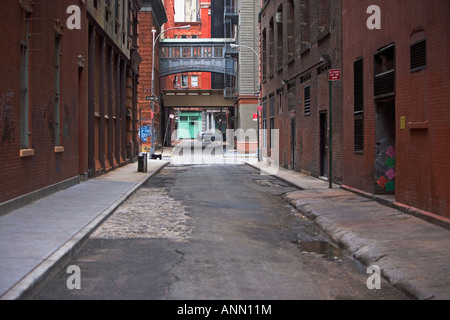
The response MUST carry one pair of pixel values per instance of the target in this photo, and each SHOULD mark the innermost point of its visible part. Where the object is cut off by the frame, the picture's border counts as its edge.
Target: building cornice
(157, 9)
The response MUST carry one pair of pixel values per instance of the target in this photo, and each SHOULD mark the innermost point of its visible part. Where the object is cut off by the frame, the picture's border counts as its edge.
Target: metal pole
(257, 133)
(140, 130)
(330, 138)
(153, 77)
(152, 103)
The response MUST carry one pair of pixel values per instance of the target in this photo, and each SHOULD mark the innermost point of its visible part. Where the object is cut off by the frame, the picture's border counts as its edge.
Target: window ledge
(418, 125)
(26, 153)
(59, 149)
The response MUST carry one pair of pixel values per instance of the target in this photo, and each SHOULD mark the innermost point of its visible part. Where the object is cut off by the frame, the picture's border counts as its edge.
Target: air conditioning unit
(279, 17)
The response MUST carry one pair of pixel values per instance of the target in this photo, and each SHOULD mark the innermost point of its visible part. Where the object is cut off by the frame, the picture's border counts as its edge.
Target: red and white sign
(334, 75)
(259, 108)
(255, 117)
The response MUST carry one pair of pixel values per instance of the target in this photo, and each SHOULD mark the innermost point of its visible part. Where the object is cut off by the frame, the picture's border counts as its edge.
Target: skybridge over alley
(197, 55)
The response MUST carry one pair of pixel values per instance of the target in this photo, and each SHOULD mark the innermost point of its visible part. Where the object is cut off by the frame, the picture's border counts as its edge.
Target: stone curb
(37, 278)
(364, 251)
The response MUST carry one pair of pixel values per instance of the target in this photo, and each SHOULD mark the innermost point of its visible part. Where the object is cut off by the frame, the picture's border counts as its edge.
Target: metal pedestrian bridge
(197, 55)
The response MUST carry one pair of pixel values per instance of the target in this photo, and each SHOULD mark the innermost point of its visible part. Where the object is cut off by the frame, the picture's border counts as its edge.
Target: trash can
(142, 162)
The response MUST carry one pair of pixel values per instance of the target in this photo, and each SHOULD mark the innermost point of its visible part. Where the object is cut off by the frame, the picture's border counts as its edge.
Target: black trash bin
(142, 162)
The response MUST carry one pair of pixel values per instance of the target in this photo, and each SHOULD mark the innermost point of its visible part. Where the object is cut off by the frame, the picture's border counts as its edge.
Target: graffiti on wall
(68, 115)
(6, 118)
(387, 181)
(145, 133)
(49, 117)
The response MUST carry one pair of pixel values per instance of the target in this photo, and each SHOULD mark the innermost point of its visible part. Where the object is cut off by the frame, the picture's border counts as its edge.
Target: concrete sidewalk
(37, 240)
(413, 254)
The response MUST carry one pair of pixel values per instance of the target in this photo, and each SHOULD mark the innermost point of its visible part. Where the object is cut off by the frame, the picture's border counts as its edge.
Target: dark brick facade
(415, 118)
(68, 95)
(31, 157)
(300, 43)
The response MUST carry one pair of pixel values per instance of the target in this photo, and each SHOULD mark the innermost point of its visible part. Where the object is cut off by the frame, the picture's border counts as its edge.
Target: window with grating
(307, 92)
(418, 55)
(358, 88)
(384, 83)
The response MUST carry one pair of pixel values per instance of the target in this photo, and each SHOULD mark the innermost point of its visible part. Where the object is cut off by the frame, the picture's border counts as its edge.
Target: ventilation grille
(307, 101)
(418, 52)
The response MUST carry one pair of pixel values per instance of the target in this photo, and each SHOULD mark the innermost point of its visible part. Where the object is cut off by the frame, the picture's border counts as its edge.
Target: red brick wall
(200, 29)
(18, 175)
(146, 24)
(421, 97)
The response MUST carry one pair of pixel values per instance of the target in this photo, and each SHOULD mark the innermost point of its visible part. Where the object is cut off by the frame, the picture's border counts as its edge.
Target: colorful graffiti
(387, 182)
(145, 132)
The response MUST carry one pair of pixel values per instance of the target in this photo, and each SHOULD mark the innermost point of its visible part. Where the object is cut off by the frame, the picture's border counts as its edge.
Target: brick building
(396, 102)
(200, 22)
(198, 15)
(152, 16)
(43, 82)
(68, 88)
(113, 71)
(300, 43)
(241, 23)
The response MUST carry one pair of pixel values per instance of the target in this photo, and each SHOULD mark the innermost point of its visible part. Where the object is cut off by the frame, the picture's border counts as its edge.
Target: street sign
(255, 117)
(152, 98)
(335, 75)
(259, 108)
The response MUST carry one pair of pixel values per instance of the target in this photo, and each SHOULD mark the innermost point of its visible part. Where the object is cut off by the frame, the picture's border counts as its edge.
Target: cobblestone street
(213, 232)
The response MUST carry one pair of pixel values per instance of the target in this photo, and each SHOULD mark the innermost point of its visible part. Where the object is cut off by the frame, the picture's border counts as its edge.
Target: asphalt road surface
(202, 232)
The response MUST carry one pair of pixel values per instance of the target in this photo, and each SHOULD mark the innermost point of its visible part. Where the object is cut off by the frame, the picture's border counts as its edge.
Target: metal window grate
(359, 132)
(307, 92)
(418, 55)
(384, 82)
(358, 80)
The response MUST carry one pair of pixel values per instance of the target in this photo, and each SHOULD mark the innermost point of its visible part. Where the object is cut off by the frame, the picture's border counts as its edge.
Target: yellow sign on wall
(402, 122)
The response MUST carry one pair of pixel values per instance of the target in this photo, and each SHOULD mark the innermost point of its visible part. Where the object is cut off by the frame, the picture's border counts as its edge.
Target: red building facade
(43, 103)
(396, 102)
(199, 29)
(152, 16)
(68, 85)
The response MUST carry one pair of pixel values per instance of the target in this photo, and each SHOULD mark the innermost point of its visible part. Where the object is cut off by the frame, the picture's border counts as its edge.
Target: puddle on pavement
(323, 248)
